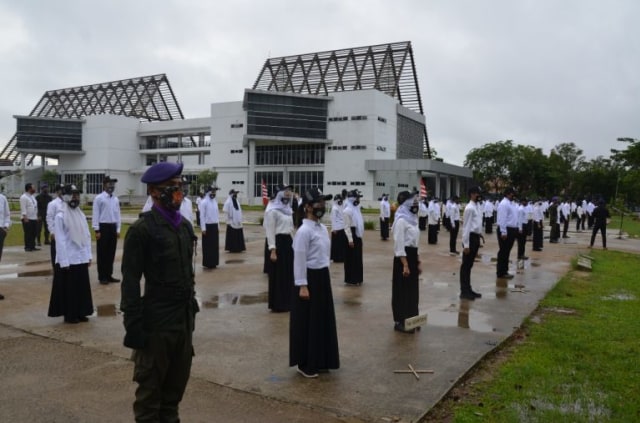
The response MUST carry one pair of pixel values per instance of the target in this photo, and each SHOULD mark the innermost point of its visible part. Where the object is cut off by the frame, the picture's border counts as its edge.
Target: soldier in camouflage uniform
(159, 322)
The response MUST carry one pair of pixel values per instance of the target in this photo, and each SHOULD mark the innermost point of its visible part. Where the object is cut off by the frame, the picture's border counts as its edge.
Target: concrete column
(437, 193)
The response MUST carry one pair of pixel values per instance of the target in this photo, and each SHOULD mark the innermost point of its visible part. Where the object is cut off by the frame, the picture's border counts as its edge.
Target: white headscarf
(76, 223)
(404, 212)
(277, 204)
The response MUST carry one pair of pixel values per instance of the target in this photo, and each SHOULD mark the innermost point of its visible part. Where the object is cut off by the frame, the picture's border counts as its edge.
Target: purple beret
(161, 172)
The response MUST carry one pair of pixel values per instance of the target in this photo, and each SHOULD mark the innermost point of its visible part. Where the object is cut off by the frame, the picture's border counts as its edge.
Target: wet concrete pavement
(241, 373)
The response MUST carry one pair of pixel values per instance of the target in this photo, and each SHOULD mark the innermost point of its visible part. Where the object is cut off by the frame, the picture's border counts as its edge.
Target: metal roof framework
(389, 68)
(148, 98)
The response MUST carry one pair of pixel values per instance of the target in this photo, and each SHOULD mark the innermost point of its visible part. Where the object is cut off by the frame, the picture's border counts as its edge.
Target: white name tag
(415, 321)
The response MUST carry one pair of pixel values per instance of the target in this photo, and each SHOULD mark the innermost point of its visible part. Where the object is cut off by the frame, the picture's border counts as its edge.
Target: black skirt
(313, 336)
(281, 275)
(432, 237)
(266, 266)
(339, 244)
(210, 246)
(71, 292)
(353, 268)
(405, 291)
(234, 240)
(422, 223)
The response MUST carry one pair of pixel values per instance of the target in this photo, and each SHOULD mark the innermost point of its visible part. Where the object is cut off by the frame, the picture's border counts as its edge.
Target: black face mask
(74, 203)
(356, 202)
(319, 212)
(109, 189)
(212, 195)
(171, 197)
(340, 202)
(285, 200)
(413, 209)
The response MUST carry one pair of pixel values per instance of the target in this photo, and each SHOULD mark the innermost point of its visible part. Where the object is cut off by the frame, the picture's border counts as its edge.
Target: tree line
(564, 172)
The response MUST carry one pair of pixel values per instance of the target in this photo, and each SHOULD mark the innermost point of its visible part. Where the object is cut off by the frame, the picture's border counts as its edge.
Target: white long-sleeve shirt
(404, 235)
(471, 222)
(5, 212)
(337, 217)
(311, 250)
(234, 216)
(276, 223)
(52, 210)
(385, 209)
(28, 206)
(106, 209)
(67, 251)
(507, 216)
(209, 212)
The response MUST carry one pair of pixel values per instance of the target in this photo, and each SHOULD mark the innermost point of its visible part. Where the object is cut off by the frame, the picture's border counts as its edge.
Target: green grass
(630, 225)
(580, 363)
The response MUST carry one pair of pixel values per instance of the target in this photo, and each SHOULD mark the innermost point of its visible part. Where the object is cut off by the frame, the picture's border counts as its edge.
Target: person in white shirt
(522, 228)
(433, 221)
(234, 240)
(5, 223)
(71, 290)
(488, 216)
(29, 217)
(52, 209)
(106, 224)
(313, 335)
(186, 207)
(198, 201)
(565, 217)
(278, 226)
(538, 225)
(354, 230)
(209, 221)
(423, 213)
(471, 230)
(385, 215)
(507, 232)
(339, 240)
(454, 224)
(405, 288)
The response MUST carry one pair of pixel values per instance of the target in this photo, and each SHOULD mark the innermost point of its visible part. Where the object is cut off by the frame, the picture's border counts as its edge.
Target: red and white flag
(265, 194)
(423, 188)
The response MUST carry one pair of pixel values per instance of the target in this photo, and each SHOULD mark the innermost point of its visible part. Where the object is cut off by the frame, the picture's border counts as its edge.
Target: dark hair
(28, 186)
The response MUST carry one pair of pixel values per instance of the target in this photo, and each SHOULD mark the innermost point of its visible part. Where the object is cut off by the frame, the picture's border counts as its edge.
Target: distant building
(345, 119)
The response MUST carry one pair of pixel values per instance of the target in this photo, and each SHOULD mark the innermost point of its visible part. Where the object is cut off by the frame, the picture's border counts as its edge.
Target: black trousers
(537, 235)
(502, 266)
(453, 235)
(3, 235)
(432, 237)
(106, 250)
(30, 227)
(603, 231)
(467, 263)
(522, 240)
(488, 225)
(42, 223)
(384, 228)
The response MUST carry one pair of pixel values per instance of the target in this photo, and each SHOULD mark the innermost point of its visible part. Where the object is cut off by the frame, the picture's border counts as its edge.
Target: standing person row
(523, 225)
(313, 335)
(278, 226)
(454, 224)
(5, 223)
(385, 215)
(29, 217)
(339, 240)
(405, 288)
(488, 211)
(507, 232)
(71, 289)
(43, 200)
(209, 225)
(106, 222)
(159, 319)
(354, 230)
(234, 239)
(538, 226)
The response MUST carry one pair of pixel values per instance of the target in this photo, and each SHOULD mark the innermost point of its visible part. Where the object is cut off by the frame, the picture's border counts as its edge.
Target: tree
(566, 160)
(51, 177)
(630, 157)
(205, 179)
(491, 164)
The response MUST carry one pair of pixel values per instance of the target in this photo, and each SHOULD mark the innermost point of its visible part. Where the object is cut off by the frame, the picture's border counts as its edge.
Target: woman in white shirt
(354, 230)
(234, 240)
(71, 291)
(339, 240)
(405, 289)
(385, 215)
(313, 337)
(278, 226)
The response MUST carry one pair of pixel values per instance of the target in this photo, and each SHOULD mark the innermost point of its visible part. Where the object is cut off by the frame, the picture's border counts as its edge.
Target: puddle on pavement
(351, 301)
(440, 285)
(462, 316)
(230, 299)
(234, 261)
(29, 263)
(105, 310)
(46, 272)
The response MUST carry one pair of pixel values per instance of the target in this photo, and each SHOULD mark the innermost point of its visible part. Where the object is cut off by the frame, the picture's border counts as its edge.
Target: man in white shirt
(385, 214)
(507, 232)
(5, 222)
(471, 229)
(29, 217)
(106, 224)
(454, 223)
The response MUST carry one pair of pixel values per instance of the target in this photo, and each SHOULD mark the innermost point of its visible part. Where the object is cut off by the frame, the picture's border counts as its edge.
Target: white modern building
(337, 120)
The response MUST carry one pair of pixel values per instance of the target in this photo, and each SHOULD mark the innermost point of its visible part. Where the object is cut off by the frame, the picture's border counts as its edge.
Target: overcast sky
(539, 72)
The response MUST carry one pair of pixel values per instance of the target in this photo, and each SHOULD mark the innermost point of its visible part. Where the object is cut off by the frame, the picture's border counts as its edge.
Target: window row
(290, 154)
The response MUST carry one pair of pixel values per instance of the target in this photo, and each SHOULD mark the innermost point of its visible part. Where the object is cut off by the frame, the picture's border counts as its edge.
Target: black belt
(177, 293)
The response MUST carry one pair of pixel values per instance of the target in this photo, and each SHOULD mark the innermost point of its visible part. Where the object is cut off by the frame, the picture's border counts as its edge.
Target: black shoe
(83, 319)
(104, 282)
(47, 243)
(506, 276)
(523, 258)
(1, 297)
(476, 294)
(35, 249)
(306, 373)
(467, 296)
(537, 249)
(28, 249)
(400, 328)
(72, 321)
(112, 279)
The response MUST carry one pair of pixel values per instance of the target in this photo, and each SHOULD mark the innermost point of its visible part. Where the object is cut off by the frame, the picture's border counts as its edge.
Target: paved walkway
(58, 372)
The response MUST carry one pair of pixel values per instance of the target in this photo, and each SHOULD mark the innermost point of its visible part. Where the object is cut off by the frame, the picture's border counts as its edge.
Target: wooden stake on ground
(413, 371)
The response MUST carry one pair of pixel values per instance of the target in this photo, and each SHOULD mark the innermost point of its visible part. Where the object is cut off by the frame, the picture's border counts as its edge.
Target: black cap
(474, 190)
(405, 195)
(107, 179)
(314, 195)
(70, 189)
(354, 194)
(233, 191)
(213, 188)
